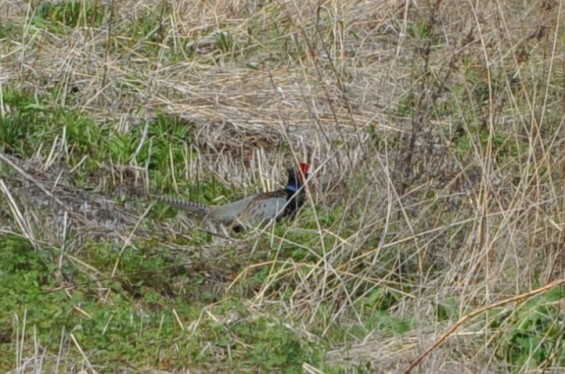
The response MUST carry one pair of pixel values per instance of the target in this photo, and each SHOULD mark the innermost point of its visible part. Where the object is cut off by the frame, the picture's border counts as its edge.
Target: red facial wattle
(304, 167)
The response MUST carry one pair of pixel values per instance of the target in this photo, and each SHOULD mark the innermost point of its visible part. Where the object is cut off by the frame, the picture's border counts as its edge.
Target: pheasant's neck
(294, 201)
(292, 194)
(289, 193)
(291, 188)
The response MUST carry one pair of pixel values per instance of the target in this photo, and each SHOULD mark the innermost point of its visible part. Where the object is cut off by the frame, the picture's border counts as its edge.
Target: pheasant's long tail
(190, 206)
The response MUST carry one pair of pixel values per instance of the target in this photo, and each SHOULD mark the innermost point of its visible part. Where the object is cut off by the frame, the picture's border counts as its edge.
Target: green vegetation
(436, 142)
(134, 309)
(57, 16)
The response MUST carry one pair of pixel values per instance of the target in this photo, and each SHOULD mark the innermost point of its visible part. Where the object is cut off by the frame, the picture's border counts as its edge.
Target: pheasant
(254, 209)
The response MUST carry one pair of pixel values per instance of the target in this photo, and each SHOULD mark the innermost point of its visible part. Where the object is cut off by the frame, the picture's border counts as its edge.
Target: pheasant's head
(296, 178)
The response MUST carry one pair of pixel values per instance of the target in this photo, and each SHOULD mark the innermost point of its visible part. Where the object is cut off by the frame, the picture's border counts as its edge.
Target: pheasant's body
(254, 209)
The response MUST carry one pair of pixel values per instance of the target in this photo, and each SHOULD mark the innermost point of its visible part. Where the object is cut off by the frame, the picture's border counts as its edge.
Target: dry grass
(435, 131)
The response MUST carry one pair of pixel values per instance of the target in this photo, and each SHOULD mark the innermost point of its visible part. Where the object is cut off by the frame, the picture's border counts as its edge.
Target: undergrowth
(431, 239)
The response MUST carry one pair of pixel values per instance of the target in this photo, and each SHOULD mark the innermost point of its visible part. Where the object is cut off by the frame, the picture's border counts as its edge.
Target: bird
(255, 209)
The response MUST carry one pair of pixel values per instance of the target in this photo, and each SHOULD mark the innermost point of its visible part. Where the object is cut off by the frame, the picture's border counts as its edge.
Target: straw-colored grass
(432, 239)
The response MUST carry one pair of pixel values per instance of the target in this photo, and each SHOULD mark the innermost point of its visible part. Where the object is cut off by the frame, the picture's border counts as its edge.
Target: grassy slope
(436, 135)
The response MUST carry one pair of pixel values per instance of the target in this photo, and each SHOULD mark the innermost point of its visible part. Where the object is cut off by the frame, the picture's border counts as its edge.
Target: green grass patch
(116, 319)
(58, 16)
(534, 333)
(35, 123)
